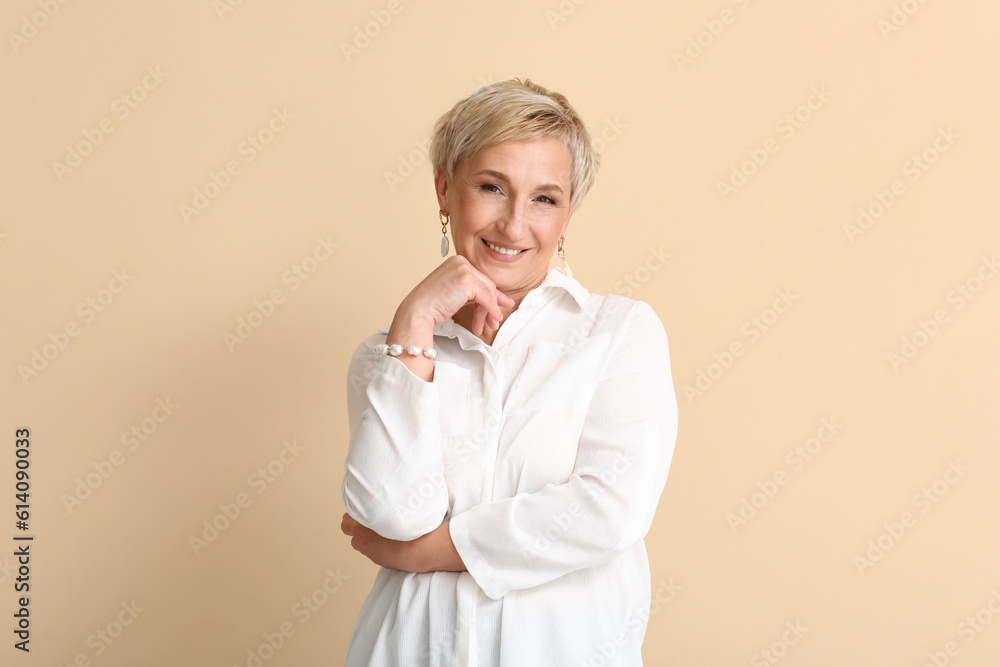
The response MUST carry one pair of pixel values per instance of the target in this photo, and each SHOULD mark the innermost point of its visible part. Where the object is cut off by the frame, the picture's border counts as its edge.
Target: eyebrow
(500, 176)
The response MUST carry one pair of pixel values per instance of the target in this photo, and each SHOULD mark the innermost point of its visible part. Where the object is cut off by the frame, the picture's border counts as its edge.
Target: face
(509, 204)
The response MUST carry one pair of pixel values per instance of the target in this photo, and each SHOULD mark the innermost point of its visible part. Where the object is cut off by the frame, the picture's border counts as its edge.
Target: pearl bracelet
(396, 350)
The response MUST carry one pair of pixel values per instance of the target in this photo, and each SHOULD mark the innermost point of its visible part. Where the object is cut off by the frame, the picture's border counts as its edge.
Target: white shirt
(548, 452)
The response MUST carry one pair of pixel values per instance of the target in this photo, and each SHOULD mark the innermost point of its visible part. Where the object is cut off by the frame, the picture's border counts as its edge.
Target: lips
(503, 250)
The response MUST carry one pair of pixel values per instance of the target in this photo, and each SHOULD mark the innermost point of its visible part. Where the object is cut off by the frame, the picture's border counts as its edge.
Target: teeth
(502, 251)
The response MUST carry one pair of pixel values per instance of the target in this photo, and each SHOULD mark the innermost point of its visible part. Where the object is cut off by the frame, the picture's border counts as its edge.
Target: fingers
(355, 531)
(478, 319)
(347, 524)
(454, 284)
(490, 287)
(488, 301)
(493, 321)
(478, 289)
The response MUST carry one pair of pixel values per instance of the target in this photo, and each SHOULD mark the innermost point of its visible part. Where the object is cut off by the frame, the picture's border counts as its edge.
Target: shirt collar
(556, 281)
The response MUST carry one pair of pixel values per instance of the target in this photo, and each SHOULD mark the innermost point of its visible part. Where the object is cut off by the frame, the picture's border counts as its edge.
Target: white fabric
(548, 452)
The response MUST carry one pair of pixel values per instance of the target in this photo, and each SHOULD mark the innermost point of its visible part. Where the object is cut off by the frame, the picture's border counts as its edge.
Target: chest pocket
(454, 388)
(557, 376)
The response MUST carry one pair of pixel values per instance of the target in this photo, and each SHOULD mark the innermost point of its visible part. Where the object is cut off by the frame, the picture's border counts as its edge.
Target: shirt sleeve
(607, 504)
(393, 476)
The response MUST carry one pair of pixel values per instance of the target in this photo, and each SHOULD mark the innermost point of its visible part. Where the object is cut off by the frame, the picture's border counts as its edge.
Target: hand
(431, 553)
(449, 287)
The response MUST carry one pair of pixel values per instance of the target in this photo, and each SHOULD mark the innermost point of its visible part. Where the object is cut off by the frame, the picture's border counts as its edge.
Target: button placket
(491, 381)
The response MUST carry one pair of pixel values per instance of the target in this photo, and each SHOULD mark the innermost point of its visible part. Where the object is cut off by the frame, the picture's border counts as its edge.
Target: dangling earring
(445, 218)
(562, 256)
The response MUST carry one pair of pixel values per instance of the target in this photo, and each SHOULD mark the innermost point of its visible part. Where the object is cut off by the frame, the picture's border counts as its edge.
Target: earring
(562, 256)
(445, 218)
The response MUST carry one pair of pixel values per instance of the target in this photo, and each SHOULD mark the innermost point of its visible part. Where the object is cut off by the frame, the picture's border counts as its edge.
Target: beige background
(683, 94)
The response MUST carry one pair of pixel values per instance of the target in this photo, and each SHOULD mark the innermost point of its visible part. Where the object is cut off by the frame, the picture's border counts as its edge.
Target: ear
(441, 186)
(566, 224)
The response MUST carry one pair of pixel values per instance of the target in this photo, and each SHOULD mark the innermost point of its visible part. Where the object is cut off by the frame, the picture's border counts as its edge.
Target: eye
(489, 187)
(547, 200)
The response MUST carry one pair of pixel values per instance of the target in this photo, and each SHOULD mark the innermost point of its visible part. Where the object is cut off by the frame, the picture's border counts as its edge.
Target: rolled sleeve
(394, 475)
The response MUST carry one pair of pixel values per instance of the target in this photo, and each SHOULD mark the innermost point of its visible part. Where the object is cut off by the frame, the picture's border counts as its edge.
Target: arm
(394, 480)
(607, 505)
(395, 448)
(433, 552)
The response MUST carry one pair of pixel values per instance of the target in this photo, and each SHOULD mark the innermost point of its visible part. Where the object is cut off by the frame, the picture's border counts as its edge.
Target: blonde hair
(516, 110)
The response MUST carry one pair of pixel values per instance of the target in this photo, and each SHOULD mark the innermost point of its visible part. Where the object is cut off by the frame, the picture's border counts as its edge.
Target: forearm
(438, 552)
(433, 552)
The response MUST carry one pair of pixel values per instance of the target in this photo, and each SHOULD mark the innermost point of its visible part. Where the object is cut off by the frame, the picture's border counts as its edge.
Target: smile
(502, 251)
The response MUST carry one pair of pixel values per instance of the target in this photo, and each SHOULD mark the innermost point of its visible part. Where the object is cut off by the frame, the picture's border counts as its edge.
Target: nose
(511, 219)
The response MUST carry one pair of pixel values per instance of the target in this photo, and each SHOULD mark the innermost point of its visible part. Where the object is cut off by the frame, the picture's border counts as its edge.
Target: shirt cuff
(473, 560)
(400, 375)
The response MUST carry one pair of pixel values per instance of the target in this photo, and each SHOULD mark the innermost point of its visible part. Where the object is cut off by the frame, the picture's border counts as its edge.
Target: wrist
(396, 350)
(437, 552)
(410, 329)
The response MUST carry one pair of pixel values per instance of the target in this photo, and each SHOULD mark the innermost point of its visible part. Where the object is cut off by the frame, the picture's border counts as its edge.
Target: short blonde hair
(516, 110)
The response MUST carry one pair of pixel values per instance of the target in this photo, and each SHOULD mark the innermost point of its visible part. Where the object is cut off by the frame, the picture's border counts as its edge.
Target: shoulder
(617, 313)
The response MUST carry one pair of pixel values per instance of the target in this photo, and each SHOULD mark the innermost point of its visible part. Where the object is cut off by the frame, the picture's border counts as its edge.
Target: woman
(510, 432)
